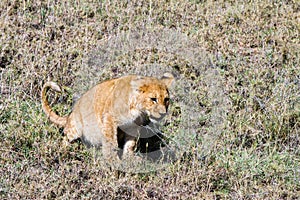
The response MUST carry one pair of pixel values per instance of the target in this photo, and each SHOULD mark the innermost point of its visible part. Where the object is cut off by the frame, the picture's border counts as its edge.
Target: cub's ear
(168, 79)
(137, 82)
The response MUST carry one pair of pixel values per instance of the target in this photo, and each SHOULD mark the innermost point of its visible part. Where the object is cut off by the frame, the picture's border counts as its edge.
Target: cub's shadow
(152, 144)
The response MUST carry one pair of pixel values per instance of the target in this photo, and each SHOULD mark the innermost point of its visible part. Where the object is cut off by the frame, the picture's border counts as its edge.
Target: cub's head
(152, 95)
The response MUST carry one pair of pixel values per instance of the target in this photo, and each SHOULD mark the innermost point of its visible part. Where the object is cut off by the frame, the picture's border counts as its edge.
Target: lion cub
(125, 104)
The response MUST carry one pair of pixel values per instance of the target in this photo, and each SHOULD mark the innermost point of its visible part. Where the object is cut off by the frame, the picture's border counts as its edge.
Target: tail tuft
(61, 121)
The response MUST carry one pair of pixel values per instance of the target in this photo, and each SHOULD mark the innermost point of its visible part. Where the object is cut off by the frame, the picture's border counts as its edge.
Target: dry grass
(235, 109)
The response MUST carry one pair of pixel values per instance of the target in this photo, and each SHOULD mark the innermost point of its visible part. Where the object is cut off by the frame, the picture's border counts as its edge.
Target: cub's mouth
(148, 117)
(143, 119)
(157, 118)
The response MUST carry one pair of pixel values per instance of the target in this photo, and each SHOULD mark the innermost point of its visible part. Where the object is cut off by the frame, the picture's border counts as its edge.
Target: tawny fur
(125, 103)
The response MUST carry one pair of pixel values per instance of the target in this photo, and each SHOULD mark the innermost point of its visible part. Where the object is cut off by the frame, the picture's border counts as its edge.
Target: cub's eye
(154, 100)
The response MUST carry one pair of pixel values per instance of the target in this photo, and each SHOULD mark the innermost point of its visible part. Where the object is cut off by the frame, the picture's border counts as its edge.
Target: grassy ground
(236, 100)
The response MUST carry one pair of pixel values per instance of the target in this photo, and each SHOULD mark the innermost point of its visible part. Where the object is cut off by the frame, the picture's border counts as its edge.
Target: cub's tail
(61, 121)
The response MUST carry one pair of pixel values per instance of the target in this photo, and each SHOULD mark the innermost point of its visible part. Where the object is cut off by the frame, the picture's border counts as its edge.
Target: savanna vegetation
(235, 110)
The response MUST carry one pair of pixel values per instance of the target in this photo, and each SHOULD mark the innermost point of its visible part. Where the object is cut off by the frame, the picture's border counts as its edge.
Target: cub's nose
(162, 110)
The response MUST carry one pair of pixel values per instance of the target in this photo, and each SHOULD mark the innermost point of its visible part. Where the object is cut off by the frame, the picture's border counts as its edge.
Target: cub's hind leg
(72, 131)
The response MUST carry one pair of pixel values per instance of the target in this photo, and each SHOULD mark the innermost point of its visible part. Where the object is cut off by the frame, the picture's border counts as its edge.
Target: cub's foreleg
(110, 141)
(129, 146)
